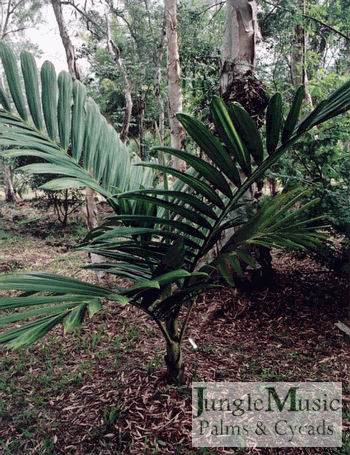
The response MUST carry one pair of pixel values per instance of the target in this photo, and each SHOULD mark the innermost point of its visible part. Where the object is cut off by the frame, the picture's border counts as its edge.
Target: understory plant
(159, 239)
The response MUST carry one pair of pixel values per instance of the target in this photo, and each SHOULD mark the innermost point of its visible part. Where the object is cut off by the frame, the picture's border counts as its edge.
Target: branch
(8, 14)
(327, 26)
(15, 31)
(306, 16)
(15, 6)
(85, 14)
(221, 4)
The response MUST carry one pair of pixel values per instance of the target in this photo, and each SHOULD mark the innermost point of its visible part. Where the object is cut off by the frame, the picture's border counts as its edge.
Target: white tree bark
(238, 57)
(241, 32)
(177, 132)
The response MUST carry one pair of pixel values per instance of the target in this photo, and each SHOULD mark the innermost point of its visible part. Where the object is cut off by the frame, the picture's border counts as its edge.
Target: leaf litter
(102, 389)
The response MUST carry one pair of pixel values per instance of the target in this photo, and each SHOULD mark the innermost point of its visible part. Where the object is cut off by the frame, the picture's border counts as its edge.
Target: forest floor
(101, 389)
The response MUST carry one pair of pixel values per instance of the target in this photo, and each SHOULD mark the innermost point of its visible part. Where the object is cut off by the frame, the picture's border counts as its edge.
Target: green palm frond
(66, 131)
(60, 299)
(212, 181)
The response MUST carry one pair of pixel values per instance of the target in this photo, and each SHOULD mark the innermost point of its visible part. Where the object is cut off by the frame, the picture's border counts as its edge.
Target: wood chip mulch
(123, 405)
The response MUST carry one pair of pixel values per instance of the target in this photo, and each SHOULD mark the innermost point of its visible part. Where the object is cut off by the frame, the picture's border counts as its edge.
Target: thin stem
(188, 315)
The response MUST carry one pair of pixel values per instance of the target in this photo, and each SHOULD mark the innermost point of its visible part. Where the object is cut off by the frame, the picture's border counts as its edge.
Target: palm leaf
(248, 132)
(211, 146)
(273, 122)
(65, 87)
(229, 134)
(13, 79)
(49, 98)
(76, 131)
(31, 82)
(293, 115)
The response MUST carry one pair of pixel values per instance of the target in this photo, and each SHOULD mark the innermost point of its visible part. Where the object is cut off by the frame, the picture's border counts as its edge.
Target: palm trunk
(173, 358)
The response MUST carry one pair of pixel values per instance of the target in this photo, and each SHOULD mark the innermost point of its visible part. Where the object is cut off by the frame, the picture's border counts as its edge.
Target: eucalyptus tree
(66, 41)
(177, 132)
(239, 44)
(159, 238)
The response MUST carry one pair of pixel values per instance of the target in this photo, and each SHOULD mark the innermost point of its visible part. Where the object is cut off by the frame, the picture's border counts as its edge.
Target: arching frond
(76, 141)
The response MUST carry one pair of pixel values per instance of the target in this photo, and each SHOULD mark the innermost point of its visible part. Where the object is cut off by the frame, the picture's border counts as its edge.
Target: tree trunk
(90, 198)
(298, 56)
(241, 31)
(114, 52)
(177, 132)
(141, 109)
(238, 80)
(157, 90)
(68, 46)
(10, 194)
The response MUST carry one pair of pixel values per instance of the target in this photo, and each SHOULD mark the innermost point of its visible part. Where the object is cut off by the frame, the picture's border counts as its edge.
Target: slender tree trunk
(114, 52)
(298, 56)
(174, 76)
(90, 196)
(157, 86)
(67, 43)
(141, 109)
(10, 194)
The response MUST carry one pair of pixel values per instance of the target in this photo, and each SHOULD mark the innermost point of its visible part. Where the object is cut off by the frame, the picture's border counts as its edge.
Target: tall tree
(115, 53)
(177, 131)
(299, 53)
(99, 26)
(238, 80)
(66, 41)
(90, 198)
(241, 31)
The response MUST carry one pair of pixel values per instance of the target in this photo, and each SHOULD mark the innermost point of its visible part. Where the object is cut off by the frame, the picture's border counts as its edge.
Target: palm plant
(163, 250)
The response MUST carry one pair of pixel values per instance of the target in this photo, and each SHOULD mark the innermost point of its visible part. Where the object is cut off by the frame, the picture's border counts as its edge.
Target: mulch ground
(123, 405)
